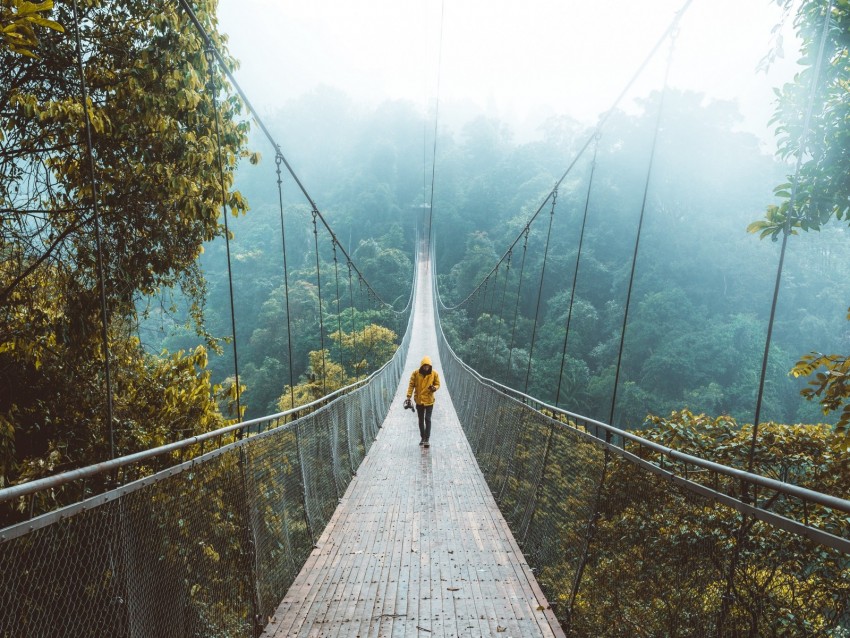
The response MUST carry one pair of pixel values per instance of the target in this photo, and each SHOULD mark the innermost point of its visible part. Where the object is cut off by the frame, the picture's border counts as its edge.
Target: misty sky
(519, 61)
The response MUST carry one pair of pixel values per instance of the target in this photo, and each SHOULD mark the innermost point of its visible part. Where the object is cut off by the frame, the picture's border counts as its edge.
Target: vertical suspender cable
(338, 316)
(436, 122)
(492, 310)
(365, 304)
(575, 270)
(740, 537)
(369, 333)
(353, 325)
(540, 287)
(531, 507)
(278, 161)
(249, 529)
(491, 324)
(498, 331)
(210, 56)
(640, 227)
(319, 288)
(482, 308)
(518, 291)
(787, 229)
(101, 277)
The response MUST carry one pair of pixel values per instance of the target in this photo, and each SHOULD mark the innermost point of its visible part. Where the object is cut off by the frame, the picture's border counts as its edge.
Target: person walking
(424, 382)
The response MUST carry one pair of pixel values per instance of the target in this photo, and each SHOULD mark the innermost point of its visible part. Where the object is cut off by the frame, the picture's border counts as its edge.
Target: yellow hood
(426, 361)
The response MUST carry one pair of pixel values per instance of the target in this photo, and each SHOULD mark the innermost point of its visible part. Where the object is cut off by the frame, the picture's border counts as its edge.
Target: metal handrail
(820, 498)
(57, 480)
(812, 496)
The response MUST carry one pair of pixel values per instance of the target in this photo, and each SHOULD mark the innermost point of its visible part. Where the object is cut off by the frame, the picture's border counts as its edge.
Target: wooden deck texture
(417, 546)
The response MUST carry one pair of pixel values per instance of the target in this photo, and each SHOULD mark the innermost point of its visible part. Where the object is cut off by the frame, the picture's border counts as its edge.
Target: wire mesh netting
(204, 548)
(622, 549)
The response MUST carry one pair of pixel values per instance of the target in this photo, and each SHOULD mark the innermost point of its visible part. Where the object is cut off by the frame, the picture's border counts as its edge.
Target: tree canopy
(20, 20)
(811, 125)
(158, 194)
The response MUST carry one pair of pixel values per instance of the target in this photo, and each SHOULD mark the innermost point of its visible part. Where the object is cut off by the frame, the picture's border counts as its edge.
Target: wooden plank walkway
(417, 546)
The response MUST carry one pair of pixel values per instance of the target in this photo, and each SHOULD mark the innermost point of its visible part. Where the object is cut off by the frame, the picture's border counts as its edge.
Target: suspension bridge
(328, 519)
(338, 523)
(417, 543)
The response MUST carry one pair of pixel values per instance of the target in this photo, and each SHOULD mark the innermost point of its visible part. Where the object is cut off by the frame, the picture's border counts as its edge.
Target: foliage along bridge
(285, 526)
(330, 520)
(417, 543)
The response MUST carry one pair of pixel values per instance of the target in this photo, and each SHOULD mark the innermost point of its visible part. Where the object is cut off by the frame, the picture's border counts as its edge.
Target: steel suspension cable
(285, 283)
(436, 123)
(338, 316)
(640, 228)
(518, 295)
(596, 131)
(353, 324)
(540, 287)
(575, 269)
(498, 332)
(746, 521)
(101, 271)
(211, 66)
(786, 231)
(211, 47)
(319, 289)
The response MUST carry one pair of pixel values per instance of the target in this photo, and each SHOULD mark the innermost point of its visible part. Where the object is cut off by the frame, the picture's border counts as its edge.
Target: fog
(349, 91)
(518, 62)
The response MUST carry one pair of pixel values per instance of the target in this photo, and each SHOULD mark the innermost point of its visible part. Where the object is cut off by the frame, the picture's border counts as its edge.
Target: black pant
(424, 414)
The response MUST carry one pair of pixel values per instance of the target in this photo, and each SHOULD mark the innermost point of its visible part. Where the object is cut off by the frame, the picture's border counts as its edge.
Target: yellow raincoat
(423, 386)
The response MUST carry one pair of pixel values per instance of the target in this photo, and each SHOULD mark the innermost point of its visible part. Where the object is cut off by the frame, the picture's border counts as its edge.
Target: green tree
(159, 197)
(366, 349)
(363, 351)
(668, 550)
(820, 191)
(18, 22)
(387, 268)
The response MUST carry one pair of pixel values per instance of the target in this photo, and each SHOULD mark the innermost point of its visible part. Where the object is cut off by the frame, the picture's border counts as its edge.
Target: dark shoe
(427, 444)
(421, 441)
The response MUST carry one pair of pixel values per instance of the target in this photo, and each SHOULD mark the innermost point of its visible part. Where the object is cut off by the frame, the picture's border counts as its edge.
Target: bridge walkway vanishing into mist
(417, 545)
(330, 520)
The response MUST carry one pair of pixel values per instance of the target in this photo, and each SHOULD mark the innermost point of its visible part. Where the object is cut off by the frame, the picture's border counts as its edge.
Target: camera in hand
(408, 405)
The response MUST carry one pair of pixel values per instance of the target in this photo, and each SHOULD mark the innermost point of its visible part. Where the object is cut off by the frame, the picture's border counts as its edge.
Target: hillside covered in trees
(702, 288)
(697, 316)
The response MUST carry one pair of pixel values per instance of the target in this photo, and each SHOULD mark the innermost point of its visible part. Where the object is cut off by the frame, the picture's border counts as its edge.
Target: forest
(162, 276)
(702, 287)
(696, 318)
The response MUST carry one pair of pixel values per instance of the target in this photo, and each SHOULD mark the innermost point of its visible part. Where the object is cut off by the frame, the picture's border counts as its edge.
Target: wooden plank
(366, 598)
(466, 616)
(388, 577)
(417, 546)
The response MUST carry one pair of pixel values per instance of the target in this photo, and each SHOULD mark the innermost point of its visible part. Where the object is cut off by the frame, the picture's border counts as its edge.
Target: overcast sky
(515, 60)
